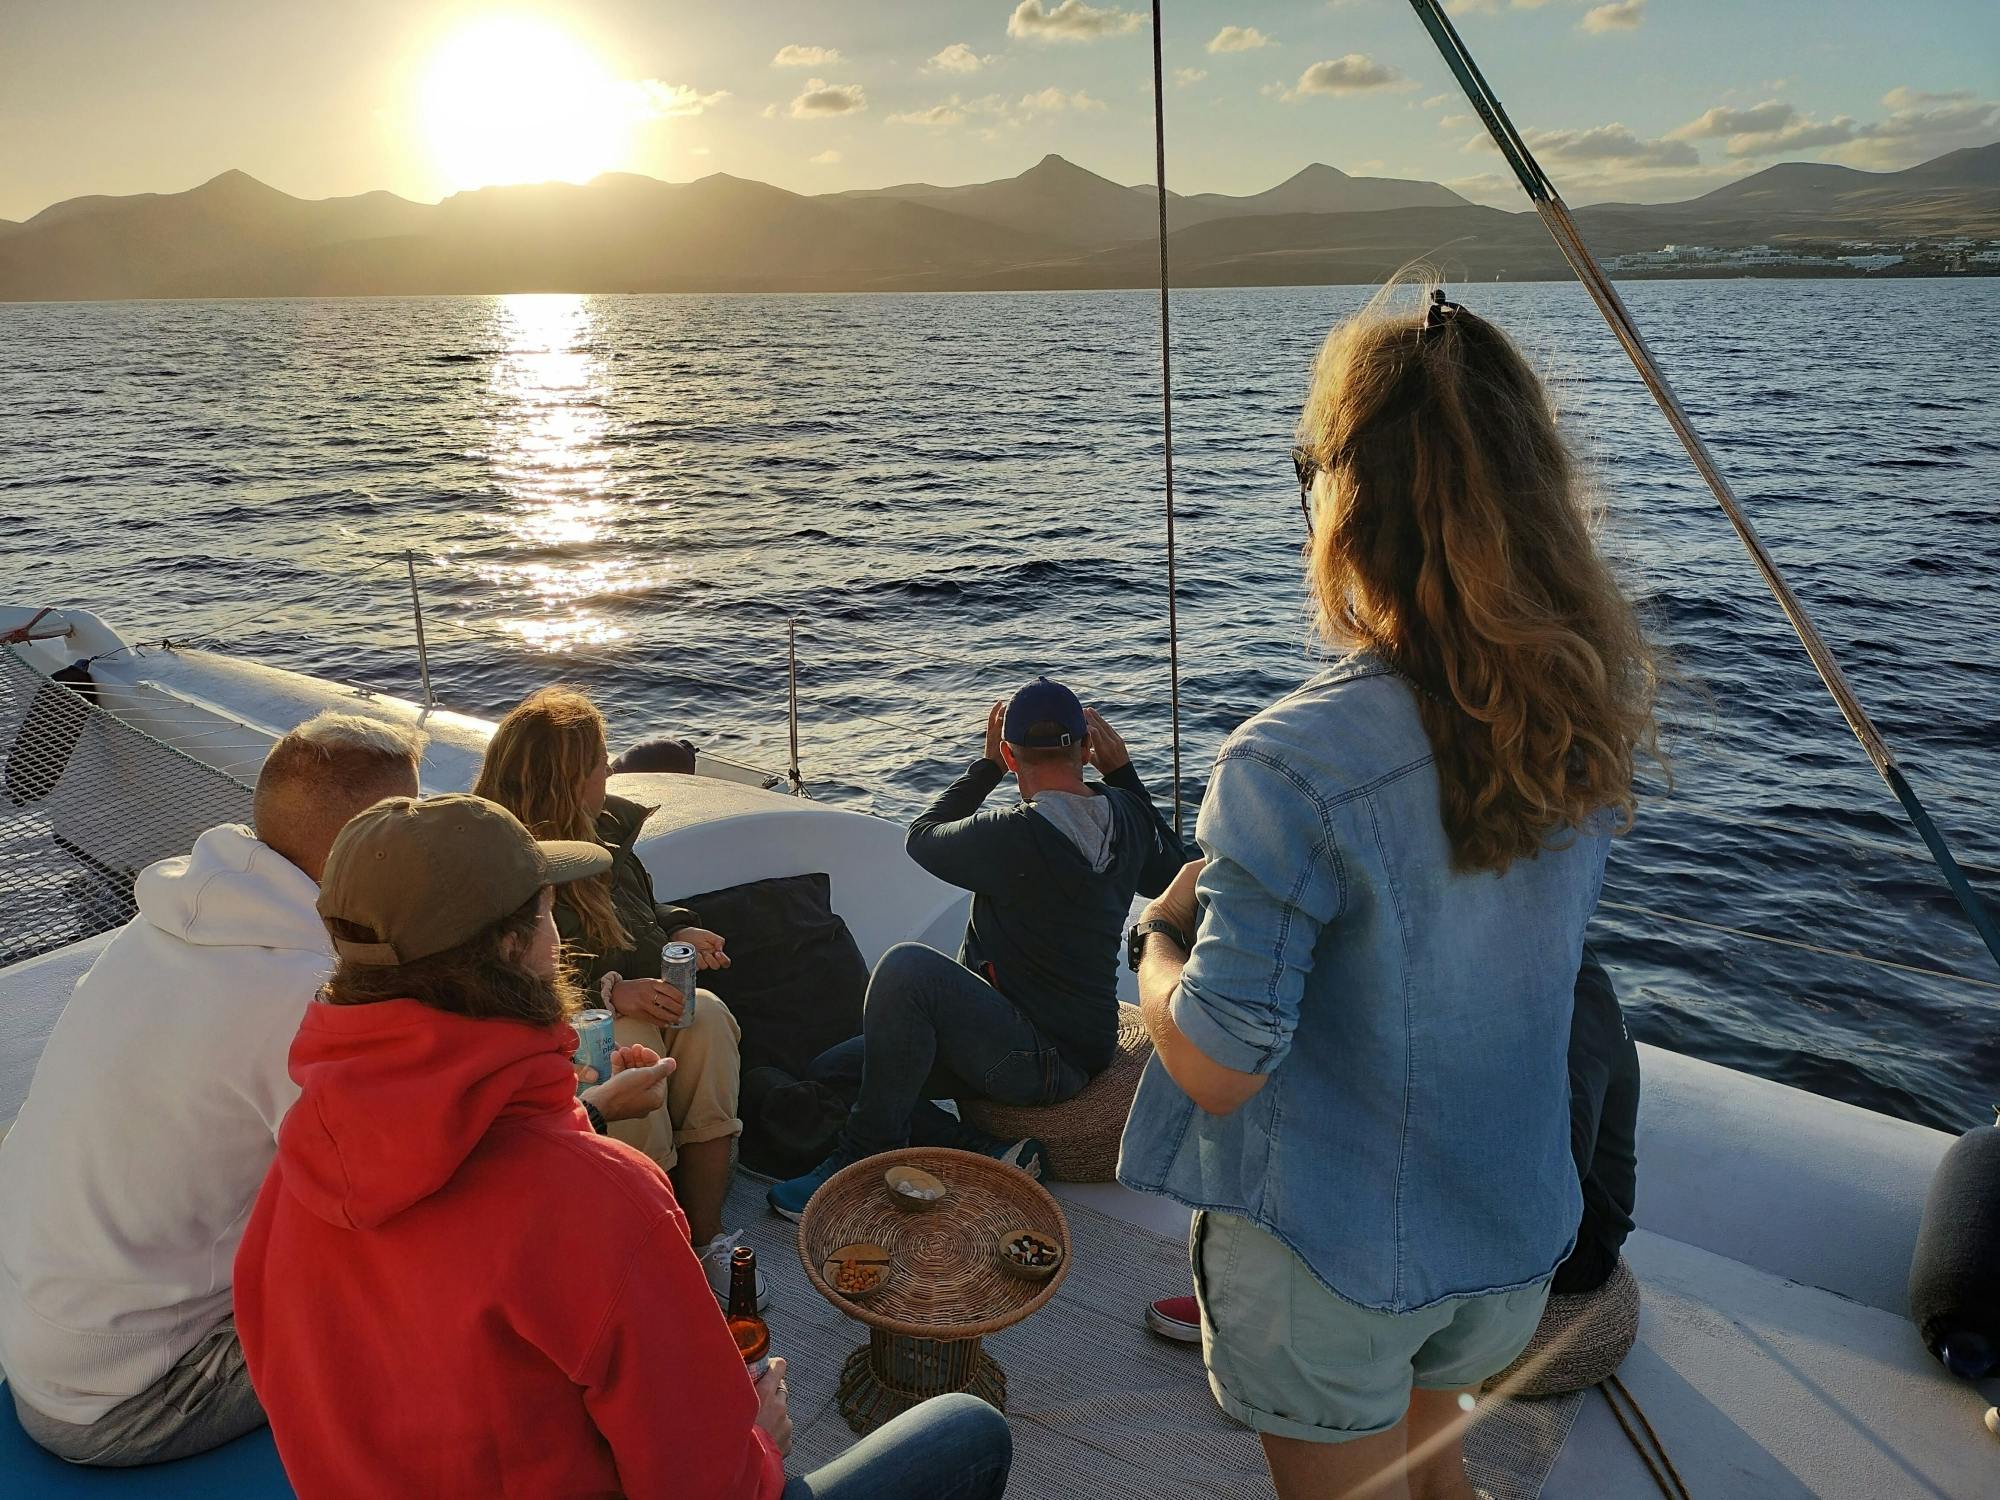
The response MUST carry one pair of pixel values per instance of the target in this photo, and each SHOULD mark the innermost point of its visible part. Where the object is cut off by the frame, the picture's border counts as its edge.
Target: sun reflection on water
(551, 454)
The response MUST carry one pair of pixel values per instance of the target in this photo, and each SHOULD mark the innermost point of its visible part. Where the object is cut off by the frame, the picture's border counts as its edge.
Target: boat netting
(89, 801)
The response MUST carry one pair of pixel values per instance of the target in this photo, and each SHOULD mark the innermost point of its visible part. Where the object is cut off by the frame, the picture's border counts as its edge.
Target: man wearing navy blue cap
(1029, 1010)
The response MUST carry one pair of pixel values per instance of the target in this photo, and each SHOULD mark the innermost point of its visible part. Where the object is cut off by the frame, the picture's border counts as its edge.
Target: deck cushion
(247, 1469)
(795, 978)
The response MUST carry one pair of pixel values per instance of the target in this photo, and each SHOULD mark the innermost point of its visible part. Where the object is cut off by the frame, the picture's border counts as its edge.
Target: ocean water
(951, 493)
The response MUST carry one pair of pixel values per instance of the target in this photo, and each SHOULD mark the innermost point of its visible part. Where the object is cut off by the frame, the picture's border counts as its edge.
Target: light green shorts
(1288, 1357)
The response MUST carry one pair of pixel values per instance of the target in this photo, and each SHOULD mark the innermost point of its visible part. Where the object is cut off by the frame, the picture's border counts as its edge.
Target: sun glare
(511, 99)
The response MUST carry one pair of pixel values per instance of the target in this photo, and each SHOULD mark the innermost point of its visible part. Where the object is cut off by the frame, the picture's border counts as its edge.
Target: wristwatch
(1135, 940)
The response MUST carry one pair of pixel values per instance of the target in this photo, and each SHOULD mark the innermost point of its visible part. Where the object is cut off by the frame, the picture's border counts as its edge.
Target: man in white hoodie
(153, 1115)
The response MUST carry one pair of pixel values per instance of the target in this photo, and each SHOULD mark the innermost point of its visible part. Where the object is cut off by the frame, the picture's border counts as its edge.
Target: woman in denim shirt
(1361, 997)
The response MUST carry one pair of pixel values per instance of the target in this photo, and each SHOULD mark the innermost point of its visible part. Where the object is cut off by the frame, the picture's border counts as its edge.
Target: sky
(1646, 100)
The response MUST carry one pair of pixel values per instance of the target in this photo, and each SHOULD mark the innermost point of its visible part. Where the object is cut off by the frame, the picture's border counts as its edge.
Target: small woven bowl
(912, 1189)
(1003, 1249)
(862, 1251)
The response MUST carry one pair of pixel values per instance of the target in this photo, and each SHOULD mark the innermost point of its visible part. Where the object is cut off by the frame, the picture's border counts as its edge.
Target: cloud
(1766, 128)
(957, 111)
(824, 159)
(937, 117)
(795, 56)
(1802, 134)
(1436, 100)
(1922, 125)
(1613, 143)
(1353, 74)
(1239, 39)
(1054, 100)
(1185, 77)
(1489, 7)
(1622, 15)
(1772, 114)
(1905, 98)
(957, 58)
(1071, 21)
(1452, 122)
(821, 98)
(653, 99)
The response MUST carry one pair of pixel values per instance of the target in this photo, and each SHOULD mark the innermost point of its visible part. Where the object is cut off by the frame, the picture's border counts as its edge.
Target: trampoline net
(89, 801)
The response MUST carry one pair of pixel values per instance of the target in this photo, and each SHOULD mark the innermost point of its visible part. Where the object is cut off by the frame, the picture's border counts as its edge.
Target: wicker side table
(946, 1290)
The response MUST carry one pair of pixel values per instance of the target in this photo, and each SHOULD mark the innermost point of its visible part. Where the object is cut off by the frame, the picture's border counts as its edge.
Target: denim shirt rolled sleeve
(1272, 882)
(1398, 1006)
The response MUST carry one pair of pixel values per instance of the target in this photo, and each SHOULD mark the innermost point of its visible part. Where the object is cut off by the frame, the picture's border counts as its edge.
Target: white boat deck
(1774, 1360)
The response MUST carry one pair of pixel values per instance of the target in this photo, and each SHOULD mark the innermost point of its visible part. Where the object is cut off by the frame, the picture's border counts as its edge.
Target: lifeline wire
(1167, 410)
(1556, 216)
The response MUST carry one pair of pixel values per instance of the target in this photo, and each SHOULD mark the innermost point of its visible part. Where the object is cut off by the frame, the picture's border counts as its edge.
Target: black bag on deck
(795, 978)
(790, 1125)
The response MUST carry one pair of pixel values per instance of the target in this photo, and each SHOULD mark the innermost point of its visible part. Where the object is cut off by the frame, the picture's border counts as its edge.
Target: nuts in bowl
(856, 1271)
(1029, 1254)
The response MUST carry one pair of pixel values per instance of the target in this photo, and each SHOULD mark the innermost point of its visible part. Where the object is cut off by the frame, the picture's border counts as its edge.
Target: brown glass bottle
(746, 1324)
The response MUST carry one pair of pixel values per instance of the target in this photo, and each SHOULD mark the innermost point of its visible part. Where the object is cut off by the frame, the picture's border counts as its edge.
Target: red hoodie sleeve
(666, 1387)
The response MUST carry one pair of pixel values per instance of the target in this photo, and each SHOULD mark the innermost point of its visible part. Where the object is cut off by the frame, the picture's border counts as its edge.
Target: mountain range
(1056, 225)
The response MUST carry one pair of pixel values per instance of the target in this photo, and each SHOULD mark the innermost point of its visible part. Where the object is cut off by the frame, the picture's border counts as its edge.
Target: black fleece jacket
(1046, 929)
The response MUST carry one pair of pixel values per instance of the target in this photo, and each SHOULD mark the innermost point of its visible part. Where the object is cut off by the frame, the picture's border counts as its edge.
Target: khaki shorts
(1288, 1357)
(701, 1094)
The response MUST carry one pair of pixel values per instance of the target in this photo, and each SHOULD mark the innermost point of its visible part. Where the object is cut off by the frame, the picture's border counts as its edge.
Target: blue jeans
(949, 1448)
(933, 1029)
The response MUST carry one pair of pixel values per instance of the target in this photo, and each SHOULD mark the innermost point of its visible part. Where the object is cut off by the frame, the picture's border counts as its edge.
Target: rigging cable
(1556, 216)
(1167, 410)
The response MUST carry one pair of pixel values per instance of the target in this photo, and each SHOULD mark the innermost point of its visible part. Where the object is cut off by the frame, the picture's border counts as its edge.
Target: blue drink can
(678, 967)
(593, 1043)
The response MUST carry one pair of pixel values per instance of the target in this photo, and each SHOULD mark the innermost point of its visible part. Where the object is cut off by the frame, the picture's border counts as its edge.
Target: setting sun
(518, 100)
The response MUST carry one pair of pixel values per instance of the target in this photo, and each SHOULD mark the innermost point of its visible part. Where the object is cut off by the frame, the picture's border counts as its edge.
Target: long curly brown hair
(1452, 537)
(536, 766)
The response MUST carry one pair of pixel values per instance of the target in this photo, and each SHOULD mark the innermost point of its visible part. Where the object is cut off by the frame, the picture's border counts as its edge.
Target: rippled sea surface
(951, 493)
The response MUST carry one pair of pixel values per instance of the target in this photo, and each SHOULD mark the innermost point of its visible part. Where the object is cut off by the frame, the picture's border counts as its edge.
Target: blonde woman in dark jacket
(547, 764)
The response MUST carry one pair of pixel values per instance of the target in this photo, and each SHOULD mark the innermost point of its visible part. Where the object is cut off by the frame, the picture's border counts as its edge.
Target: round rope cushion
(946, 1282)
(1082, 1132)
(1580, 1341)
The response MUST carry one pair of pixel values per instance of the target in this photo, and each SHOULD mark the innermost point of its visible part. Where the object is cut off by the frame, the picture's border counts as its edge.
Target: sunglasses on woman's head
(1307, 468)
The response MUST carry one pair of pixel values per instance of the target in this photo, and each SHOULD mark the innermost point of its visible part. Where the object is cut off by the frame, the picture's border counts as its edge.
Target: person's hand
(707, 947)
(648, 1000)
(1105, 750)
(995, 716)
(774, 1407)
(637, 1086)
(1176, 903)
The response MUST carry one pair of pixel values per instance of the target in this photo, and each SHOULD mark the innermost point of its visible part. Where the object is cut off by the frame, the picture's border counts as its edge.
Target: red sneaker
(1177, 1318)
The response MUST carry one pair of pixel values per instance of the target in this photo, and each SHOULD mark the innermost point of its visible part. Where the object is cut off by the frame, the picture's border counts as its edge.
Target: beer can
(593, 1042)
(679, 966)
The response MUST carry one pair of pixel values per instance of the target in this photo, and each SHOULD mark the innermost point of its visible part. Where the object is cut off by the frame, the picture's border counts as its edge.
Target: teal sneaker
(790, 1198)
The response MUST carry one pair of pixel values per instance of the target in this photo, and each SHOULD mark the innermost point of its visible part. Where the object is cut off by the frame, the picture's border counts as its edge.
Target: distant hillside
(1054, 199)
(1320, 189)
(1055, 225)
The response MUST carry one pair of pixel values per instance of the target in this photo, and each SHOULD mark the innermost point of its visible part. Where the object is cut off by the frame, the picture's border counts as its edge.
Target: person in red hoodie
(450, 1285)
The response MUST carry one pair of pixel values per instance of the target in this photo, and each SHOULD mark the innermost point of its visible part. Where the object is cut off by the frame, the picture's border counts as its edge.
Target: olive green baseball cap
(423, 874)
